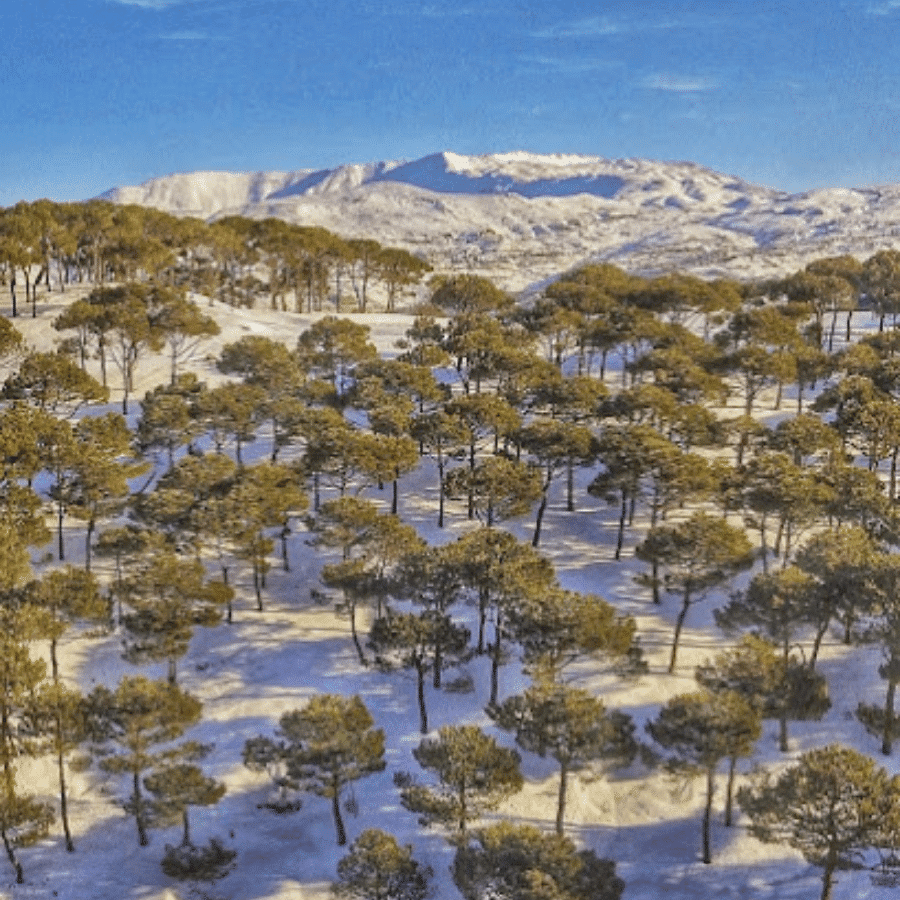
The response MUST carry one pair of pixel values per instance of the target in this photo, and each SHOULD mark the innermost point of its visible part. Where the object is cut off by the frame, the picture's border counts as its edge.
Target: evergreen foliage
(832, 804)
(569, 725)
(474, 775)
(320, 748)
(519, 862)
(378, 868)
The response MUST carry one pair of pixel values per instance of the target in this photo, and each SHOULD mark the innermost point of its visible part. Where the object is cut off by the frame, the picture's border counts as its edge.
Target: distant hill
(521, 218)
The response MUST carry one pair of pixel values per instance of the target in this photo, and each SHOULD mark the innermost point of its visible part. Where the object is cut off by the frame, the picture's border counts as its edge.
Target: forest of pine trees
(641, 402)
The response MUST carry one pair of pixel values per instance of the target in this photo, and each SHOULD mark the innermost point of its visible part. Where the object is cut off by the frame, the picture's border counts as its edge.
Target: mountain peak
(521, 217)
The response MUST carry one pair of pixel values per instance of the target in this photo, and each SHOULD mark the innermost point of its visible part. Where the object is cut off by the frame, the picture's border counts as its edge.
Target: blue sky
(790, 94)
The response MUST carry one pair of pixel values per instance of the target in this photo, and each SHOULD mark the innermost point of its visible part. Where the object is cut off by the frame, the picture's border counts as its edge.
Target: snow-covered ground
(249, 673)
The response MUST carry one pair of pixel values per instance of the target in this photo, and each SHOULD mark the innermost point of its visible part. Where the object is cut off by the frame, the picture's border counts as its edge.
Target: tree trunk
(817, 643)
(17, 866)
(61, 547)
(87, 544)
(620, 539)
(729, 791)
(440, 492)
(257, 586)
(463, 810)
(561, 801)
(483, 597)
(143, 840)
(685, 606)
(438, 667)
(336, 811)
(352, 607)
(495, 657)
(101, 352)
(707, 814)
(63, 797)
(828, 874)
(892, 490)
(423, 713)
(471, 497)
(54, 662)
(887, 738)
(540, 517)
(570, 486)
(763, 543)
(186, 837)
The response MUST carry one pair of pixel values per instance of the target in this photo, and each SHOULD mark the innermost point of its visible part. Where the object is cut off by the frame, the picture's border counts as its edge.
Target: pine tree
(569, 725)
(556, 627)
(128, 723)
(628, 453)
(52, 382)
(170, 416)
(209, 862)
(183, 326)
(232, 410)
(831, 805)
(444, 437)
(557, 446)
(321, 748)
(175, 788)
(431, 578)
(475, 775)
(168, 598)
(370, 544)
(381, 458)
(696, 555)
(265, 496)
(883, 628)
(775, 605)
(701, 730)
(780, 685)
(101, 468)
(425, 642)
(68, 595)
(499, 570)
(58, 717)
(376, 867)
(23, 820)
(844, 563)
(519, 862)
(497, 488)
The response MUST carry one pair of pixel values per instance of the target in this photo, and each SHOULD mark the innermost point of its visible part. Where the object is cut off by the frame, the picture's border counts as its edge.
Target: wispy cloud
(678, 84)
(595, 26)
(447, 12)
(603, 26)
(885, 8)
(188, 36)
(149, 4)
(565, 64)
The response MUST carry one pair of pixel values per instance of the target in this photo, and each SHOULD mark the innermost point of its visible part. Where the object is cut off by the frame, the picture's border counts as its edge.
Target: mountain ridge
(522, 218)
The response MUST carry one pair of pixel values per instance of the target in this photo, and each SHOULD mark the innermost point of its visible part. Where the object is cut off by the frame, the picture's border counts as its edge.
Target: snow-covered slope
(493, 214)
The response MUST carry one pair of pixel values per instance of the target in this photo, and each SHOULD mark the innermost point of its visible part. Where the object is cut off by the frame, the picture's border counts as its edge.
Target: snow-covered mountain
(521, 218)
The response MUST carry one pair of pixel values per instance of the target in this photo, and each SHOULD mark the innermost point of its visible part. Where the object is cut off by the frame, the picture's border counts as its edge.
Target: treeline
(236, 260)
(507, 403)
